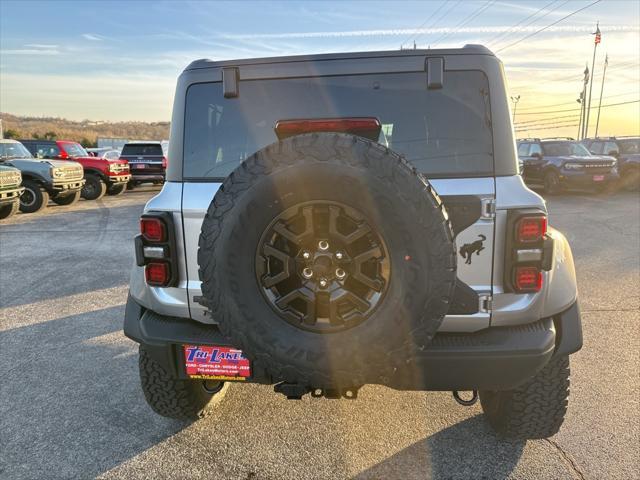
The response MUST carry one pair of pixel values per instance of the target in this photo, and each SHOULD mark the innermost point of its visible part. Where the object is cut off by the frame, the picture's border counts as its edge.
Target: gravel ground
(71, 406)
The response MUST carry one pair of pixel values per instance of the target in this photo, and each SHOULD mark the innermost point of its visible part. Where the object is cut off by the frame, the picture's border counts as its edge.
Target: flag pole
(604, 71)
(593, 66)
(583, 102)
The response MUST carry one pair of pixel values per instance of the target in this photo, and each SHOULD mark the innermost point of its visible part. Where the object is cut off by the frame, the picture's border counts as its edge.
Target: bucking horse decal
(468, 249)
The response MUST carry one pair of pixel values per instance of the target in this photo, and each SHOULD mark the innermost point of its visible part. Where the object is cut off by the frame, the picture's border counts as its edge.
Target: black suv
(626, 150)
(558, 163)
(146, 161)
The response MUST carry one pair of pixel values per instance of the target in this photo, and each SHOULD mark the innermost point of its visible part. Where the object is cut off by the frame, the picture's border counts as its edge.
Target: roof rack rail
(528, 140)
(558, 138)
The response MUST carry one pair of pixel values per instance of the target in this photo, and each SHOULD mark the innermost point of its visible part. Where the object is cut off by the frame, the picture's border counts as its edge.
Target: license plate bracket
(598, 178)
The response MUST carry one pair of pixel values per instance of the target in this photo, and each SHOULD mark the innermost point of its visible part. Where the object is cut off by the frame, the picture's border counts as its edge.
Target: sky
(113, 60)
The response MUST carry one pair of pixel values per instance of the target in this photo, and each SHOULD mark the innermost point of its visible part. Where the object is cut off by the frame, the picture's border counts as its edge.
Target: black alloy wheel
(322, 267)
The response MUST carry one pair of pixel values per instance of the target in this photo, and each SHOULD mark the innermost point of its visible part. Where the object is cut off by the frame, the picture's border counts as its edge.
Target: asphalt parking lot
(71, 406)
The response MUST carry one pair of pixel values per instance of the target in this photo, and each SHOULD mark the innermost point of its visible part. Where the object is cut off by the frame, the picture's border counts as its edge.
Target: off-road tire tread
(102, 187)
(115, 190)
(67, 200)
(169, 396)
(534, 410)
(312, 148)
(44, 195)
(10, 209)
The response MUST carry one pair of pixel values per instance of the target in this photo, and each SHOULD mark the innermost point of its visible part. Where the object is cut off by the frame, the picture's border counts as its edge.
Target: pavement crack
(567, 458)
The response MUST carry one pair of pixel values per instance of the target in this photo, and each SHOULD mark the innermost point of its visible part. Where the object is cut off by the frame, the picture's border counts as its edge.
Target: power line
(444, 14)
(548, 26)
(465, 21)
(433, 14)
(503, 36)
(573, 103)
(555, 127)
(575, 109)
(550, 119)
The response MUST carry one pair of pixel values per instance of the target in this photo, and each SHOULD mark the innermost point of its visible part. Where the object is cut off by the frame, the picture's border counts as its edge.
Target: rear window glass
(142, 149)
(443, 132)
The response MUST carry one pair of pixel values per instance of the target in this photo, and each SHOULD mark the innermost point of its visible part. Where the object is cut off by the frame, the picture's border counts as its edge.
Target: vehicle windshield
(443, 132)
(630, 147)
(565, 149)
(142, 149)
(74, 150)
(13, 150)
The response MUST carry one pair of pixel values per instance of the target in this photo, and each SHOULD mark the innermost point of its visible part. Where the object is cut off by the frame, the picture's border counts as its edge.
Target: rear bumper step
(496, 358)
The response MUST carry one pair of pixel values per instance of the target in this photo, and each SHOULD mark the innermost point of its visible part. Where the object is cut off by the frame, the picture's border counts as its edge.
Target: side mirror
(536, 155)
(613, 153)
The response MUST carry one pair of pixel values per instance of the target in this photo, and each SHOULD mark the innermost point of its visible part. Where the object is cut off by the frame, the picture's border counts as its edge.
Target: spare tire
(328, 260)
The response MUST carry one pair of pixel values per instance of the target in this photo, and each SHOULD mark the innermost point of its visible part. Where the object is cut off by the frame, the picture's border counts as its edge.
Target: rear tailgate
(469, 203)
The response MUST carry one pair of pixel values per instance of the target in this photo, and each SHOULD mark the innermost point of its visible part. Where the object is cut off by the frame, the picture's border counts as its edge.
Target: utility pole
(604, 71)
(515, 101)
(583, 102)
(598, 39)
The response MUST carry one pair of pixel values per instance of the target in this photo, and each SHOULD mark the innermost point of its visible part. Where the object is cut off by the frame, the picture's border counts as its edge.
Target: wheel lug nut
(339, 255)
(323, 245)
(306, 255)
(323, 283)
(340, 273)
(307, 272)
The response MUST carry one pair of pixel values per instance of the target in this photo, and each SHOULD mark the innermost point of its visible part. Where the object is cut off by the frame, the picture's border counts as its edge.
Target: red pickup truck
(101, 175)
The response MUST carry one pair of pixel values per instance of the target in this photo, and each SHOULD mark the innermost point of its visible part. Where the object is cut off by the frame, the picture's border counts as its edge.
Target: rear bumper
(496, 358)
(147, 177)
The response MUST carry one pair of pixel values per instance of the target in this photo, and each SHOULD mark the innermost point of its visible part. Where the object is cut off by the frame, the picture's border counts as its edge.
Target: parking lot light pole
(515, 101)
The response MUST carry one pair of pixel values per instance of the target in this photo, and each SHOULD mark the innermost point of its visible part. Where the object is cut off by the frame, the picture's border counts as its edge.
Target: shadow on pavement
(70, 402)
(468, 449)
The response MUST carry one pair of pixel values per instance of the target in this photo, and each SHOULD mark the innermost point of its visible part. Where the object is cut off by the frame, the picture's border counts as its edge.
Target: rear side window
(630, 147)
(596, 147)
(142, 149)
(47, 150)
(444, 132)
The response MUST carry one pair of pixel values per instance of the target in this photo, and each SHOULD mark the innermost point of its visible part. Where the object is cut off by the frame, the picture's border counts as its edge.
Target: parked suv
(10, 190)
(42, 179)
(626, 150)
(101, 175)
(147, 160)
(559, 163)
(331, 221)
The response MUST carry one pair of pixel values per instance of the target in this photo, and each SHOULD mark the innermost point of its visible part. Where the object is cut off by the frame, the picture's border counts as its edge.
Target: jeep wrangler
(331, 221)
(10, 190)
(59, 180)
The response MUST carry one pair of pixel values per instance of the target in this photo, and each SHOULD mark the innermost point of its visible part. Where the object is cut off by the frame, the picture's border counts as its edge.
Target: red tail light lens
(368, 127)
(157, 273)
(531, 229)
(153, 229)
(164, 162)
(527, 279)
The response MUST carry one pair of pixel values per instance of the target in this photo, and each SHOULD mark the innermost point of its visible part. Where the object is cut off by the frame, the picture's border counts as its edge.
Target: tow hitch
(295, 391)
(462, 401)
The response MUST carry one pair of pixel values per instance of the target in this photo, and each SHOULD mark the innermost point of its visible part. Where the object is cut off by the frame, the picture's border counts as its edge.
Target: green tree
(11, 133)
(50, 135)
(86, 143)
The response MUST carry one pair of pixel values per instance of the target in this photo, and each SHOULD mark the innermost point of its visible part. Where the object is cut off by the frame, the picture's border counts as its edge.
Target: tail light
(156, 249)
(153, 229)
(527, 279)
(531, 229)
(368, 127)
(164, 162)
(157, 274)
(529, 251)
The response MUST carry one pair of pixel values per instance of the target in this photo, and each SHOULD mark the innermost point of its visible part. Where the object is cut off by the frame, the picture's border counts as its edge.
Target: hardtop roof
(466, 50)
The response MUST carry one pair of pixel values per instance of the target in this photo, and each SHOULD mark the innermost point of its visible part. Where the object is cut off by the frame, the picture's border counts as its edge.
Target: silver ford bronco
(331, 221)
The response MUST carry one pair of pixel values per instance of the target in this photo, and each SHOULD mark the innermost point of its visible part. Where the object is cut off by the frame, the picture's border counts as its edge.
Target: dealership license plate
(215, 363)
(598, 178)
